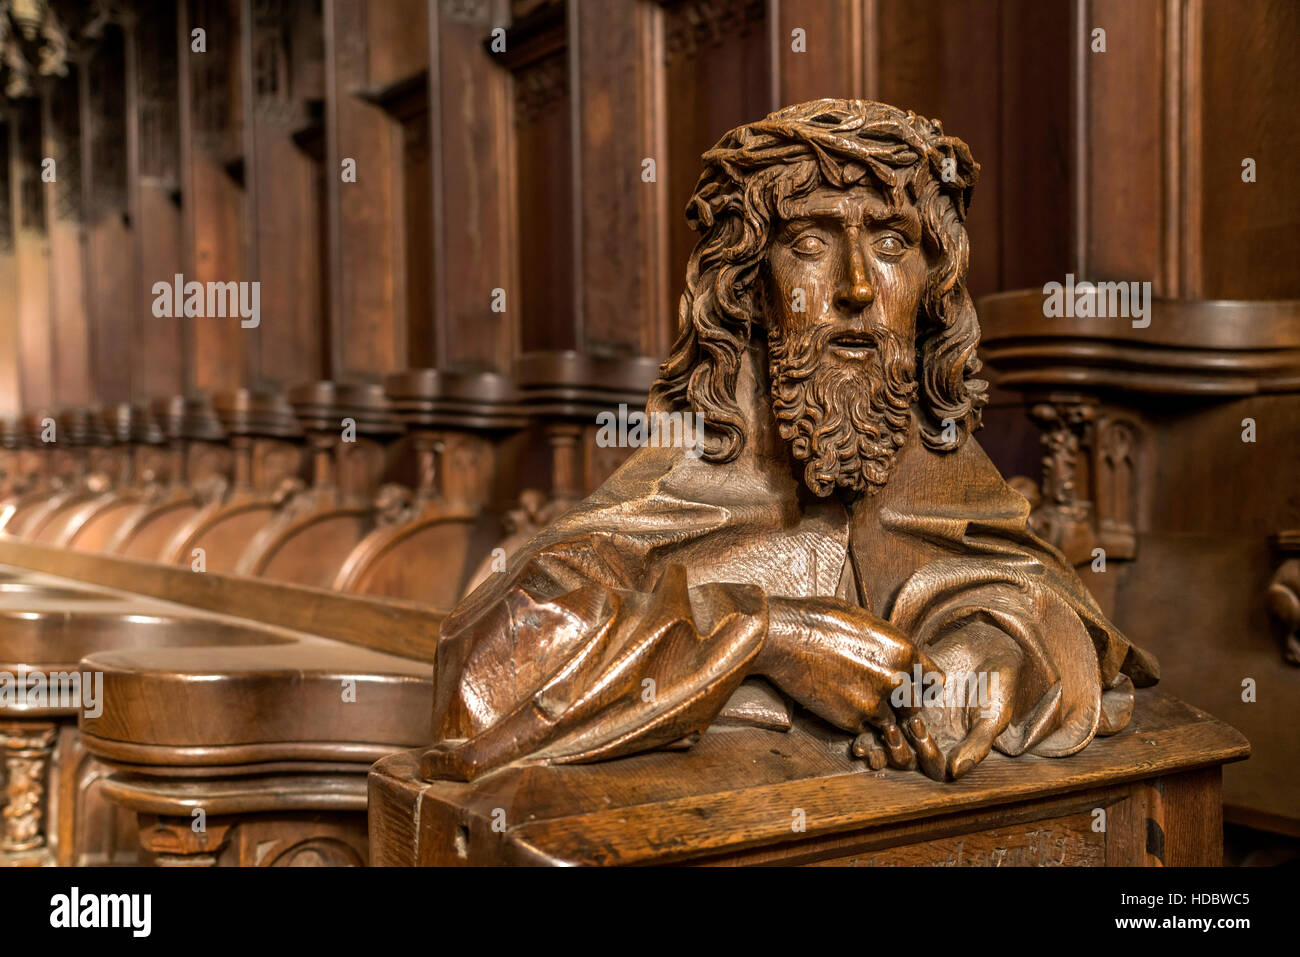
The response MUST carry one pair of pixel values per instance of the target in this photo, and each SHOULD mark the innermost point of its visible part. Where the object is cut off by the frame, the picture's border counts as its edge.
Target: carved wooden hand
(844, 664)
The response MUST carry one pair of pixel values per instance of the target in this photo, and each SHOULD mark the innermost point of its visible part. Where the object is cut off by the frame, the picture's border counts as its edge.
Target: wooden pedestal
(1149, 795)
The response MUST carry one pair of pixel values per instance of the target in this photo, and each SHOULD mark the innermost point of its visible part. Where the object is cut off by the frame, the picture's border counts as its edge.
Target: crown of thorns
(848, 139)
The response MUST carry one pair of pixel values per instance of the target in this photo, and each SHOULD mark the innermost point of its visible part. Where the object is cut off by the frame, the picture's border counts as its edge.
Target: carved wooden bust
(837, 541)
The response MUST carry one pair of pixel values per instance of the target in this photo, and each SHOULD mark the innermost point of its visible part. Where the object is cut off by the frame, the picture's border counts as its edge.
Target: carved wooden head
(835, 230)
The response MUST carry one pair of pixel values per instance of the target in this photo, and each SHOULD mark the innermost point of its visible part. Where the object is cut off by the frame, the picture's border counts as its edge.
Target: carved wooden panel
(544, 195)
(473, 249)
(157, 96)
(716, 54)
(286, 239)
(107, 85)
(1247, 243)
(10, 387)
(1054, 842)
(70, 302)
(1007, 73)
(214, 200)
(63, 136)
(6, 196)
(31, 194)
(365, 254)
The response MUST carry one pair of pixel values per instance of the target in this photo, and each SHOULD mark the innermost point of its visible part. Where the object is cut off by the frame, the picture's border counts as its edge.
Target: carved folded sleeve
(570, 674)
(1071, 683)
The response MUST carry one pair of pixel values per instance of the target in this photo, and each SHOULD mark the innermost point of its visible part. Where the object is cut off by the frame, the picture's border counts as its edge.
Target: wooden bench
(267, 723)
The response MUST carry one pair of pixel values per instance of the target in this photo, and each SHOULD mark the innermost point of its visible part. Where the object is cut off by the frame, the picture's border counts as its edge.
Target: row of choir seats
(266, 485)
(248, 588)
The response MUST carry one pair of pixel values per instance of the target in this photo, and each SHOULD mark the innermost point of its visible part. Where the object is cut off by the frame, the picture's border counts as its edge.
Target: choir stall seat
(214, 538)
(92, 523)
(58, 474)
(563, 392)
(424, 549)
(265, 728)
(18, 465)
(197, 462)
(83, 432)
(309, 540)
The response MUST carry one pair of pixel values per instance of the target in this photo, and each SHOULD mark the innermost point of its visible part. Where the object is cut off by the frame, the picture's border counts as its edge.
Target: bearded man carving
(841, 531)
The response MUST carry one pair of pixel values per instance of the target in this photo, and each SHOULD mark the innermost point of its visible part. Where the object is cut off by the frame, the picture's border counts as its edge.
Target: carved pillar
(566, 461)
(27, 749)
(1087, 495)
(173, 842)
(1063, 516)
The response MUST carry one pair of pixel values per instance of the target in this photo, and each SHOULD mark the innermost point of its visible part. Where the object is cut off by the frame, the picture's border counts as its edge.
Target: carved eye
(891, 244)
(808, 245)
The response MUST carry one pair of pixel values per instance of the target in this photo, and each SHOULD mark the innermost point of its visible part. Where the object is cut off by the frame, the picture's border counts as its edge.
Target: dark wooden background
(519, 172)
(522, 170)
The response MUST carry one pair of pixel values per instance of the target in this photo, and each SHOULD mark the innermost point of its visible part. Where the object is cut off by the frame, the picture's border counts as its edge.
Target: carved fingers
(928, 755)
(983, 665)
(904, 746)
(842, 663)
(938, 710)
(867, 746)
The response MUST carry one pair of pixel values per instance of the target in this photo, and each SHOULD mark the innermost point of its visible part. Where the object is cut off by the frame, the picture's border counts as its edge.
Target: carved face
(846, 273)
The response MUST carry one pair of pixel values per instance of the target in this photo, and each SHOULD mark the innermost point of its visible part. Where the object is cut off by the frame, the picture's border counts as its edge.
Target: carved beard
(845, 418)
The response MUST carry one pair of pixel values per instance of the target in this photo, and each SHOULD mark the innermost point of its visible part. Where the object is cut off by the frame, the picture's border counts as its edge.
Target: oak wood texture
(276, 741)
(57, 812)
(314, 534)
(1197, 559)
(1195, 348)
(215, 537)
(523, 171)
(194, 464)
(733, 799)
(425, 547)
(398, 628)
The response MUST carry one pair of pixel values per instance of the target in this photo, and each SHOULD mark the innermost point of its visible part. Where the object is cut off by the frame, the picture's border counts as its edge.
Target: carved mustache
(800, 354)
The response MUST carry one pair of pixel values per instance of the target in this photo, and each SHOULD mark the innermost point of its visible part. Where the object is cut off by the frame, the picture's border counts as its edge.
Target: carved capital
(540, 86)
(1063, 515)
(1283, 595)
(1115, 467)
(695, 26)
(173, 842)
(1087, 494)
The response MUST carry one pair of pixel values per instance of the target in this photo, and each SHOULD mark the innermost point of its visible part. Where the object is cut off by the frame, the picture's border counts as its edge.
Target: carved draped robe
(631, 622)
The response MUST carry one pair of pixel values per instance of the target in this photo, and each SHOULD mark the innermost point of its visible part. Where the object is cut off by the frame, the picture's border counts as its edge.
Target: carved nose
(855, 295)
(855, 292)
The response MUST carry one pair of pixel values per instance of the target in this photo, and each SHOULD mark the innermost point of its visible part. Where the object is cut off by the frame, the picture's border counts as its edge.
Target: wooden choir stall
(611, 432)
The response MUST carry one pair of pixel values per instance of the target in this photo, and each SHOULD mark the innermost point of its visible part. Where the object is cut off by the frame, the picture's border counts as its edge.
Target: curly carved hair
(749, 178)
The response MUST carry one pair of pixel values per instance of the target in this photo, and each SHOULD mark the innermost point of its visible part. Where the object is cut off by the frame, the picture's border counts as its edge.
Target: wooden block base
(1149, 795)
